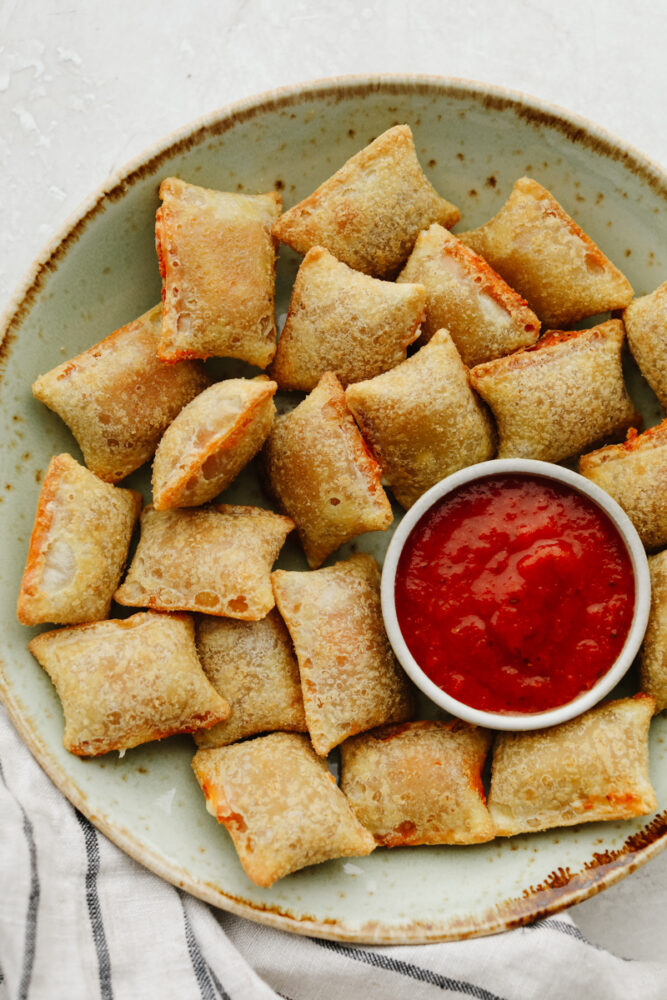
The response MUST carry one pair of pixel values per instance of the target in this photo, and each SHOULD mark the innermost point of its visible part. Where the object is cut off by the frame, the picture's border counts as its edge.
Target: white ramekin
(627, 531)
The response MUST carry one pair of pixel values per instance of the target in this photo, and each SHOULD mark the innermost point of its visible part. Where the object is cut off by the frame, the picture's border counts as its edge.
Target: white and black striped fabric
(79, 921)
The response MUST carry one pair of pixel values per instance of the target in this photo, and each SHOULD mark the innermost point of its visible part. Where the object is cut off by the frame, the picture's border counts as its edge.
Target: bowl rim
(514, 721)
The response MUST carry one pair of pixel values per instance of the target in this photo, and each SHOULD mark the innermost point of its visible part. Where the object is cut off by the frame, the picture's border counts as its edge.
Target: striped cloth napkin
(79, 920)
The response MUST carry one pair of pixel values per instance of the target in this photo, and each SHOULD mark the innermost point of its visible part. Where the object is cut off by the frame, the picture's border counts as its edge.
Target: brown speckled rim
(563, 887)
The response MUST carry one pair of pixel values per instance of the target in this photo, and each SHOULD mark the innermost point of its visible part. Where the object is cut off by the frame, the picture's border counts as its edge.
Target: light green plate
(473, 142)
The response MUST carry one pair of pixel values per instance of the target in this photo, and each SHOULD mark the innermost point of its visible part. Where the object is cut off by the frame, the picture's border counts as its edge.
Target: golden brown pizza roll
(217, 261)
(646, 325)
(422, 419)
(350, 679)
(117, 398)
(322, 475)
(253, 665)
(216, 560)
(485, 317)
(368, 214)
(78, 546)
(594, 767)
(419, 783)
(542, 253)
(280, 805)
(211, 440)
(560, 396)
(128, 681)
(635, 475)
(344, 322)
(653, 660)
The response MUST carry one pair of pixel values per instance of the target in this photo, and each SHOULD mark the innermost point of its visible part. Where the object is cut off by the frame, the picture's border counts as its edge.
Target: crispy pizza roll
(653, 660)
(280, 805)
(322, 475)
(350, 679)
(344, 322)
(217, 261)
(635, 475)
(485, 317)
(253, 665)
(216, 560)
(117, 398)
(646, 326)
(542, 253)
(211, 440)
(594, 767)
(128, 681)
(78, 546)
(419, 783)
(422, 419)
(368, 214)
(560, 396)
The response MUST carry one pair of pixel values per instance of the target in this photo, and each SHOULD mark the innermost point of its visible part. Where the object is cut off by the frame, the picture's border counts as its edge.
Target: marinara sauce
(514, 593)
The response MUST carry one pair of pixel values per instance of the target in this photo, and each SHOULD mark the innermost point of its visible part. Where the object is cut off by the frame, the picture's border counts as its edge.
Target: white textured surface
(85, 88)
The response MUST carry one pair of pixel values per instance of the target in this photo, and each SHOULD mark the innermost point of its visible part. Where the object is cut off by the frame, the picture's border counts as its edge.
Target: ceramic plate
(473, 142)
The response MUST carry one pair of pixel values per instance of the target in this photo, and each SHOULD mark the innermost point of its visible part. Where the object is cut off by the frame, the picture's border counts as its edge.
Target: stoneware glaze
(474, 141)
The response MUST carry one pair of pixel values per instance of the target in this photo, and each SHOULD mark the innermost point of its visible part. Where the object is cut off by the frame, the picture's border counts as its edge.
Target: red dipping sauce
(514, 593)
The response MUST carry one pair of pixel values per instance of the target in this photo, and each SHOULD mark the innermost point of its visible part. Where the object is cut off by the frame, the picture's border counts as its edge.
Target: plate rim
(557, 893)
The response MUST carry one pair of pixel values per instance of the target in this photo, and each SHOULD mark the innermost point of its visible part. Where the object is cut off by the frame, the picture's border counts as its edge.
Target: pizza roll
(322, 475)
(646, 326)
(253, 665)
(419, 783)
(369, 213)
(422, 419)
(129, 681)
(217, 261)
(560, 396)
(594, 767)
(350, 679)
(653, 660)
(344, 322)
(78, 546)
(212, 559)
(635, 475)
(280, 805)
(211, 440)
(117, 398)
(485, 317)
(542, 253)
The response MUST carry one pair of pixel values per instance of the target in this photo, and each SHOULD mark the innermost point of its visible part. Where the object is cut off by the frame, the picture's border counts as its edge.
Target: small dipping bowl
(607, 681)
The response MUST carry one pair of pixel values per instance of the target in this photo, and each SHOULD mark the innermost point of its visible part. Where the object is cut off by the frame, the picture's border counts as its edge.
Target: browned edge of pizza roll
(349, 675)
(253, 665)
(280, 805)
(345, 322)
(594, 767)
(128, 681)
(419, 783)
(78, 547)
(211, 440)
(422, 419)
(369, 213)
(634, 473)
(485, 317)
(216, 560)
(564, 394)
(322, 475)
(653, 657)
(542, 253)
(118, 398)
(218, 265)
(646, 326)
